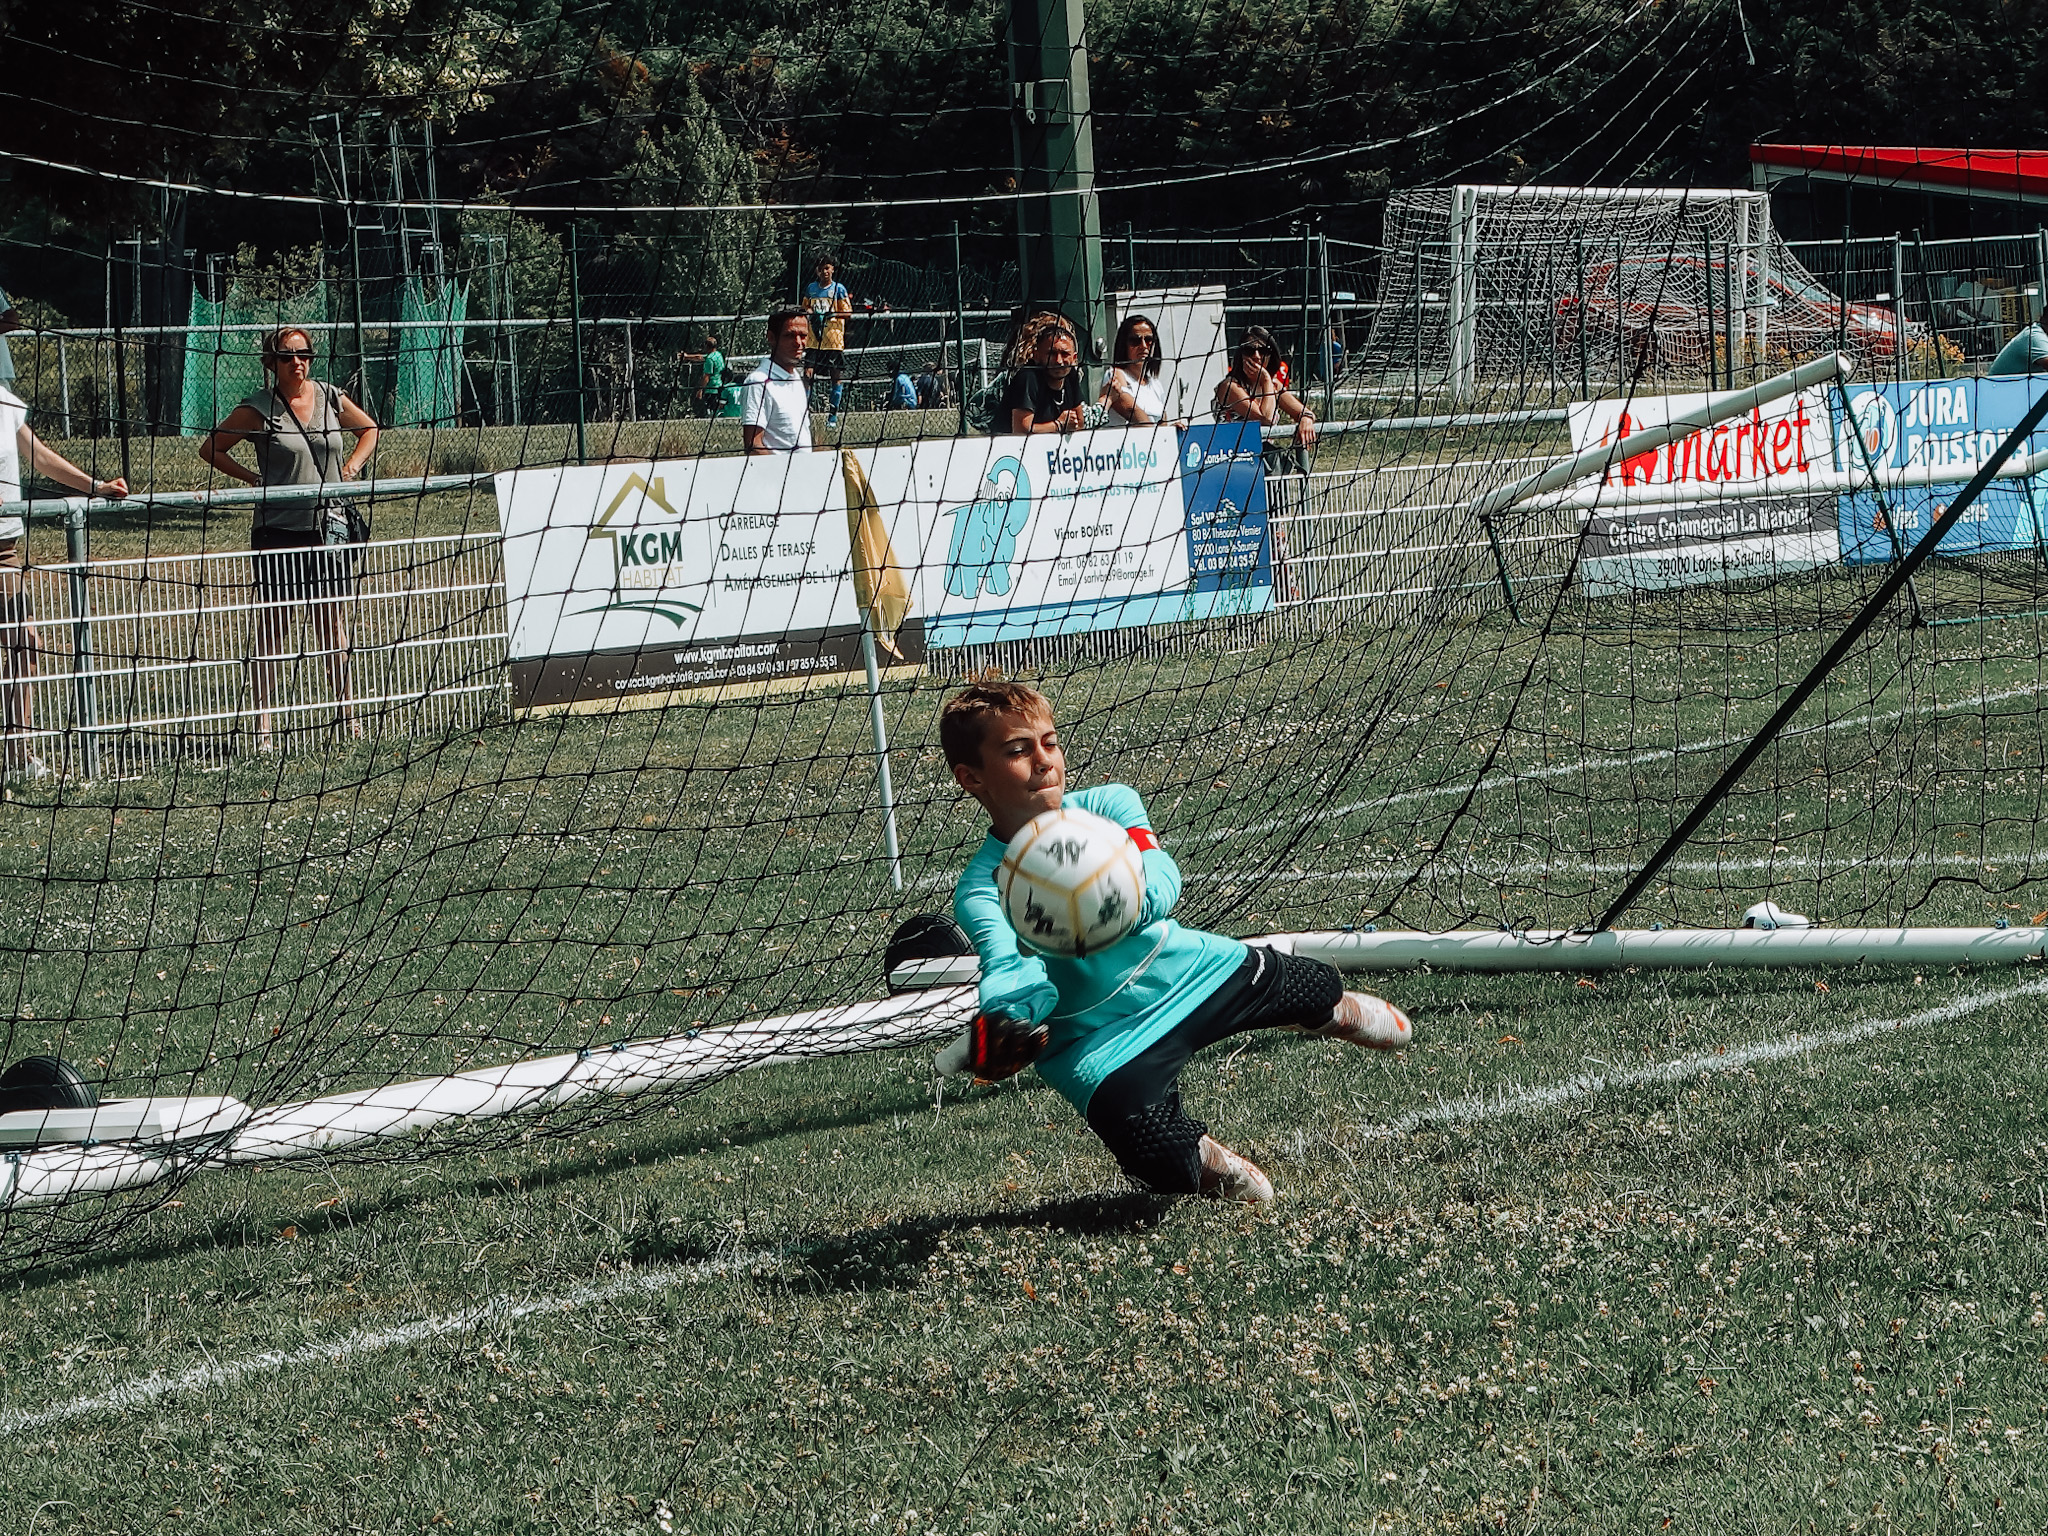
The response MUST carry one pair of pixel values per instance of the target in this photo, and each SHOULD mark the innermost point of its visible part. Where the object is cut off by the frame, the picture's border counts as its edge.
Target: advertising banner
(1223, 487)
(633, 581)
(1758, 511)
(1952, 425)
(1057, 535)
(638, 579)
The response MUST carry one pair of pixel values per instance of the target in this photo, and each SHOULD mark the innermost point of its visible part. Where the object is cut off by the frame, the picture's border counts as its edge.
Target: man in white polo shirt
(22, 454)
(775, 410)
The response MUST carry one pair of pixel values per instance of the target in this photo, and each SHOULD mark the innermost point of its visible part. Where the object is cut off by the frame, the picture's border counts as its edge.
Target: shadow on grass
(894, 1256)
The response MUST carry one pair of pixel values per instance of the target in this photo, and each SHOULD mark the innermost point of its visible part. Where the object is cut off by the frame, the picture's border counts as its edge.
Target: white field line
(936, 879)
(1478, 1107)
(1989, 864)
(144, 1390)
(1599, 765)
(1466, 1111)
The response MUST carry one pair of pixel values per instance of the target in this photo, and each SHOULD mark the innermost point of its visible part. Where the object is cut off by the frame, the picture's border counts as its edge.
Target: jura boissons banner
(1950, 425)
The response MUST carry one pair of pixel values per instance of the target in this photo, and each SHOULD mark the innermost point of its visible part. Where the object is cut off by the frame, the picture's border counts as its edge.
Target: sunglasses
(284, 352)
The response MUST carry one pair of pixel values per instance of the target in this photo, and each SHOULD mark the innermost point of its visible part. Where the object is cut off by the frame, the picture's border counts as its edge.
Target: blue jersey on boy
(1102, 1010)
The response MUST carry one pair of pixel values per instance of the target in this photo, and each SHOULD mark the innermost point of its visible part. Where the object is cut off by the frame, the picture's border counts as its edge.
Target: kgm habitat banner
(629, 580)
(1948, 425)
(634, 579)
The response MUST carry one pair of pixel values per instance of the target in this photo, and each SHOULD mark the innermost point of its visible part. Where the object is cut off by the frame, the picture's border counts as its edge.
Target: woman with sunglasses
(1252, 392)
(297, 425)
(1132, 389)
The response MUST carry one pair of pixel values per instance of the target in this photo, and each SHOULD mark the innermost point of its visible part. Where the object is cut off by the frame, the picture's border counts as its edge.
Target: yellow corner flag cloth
(879, 586)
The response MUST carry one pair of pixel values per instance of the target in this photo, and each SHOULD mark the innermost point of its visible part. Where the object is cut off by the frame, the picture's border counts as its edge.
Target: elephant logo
(984, 543)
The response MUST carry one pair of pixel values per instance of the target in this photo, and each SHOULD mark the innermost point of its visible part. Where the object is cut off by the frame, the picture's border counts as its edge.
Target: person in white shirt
(1132, 389)
(23, 454)
(775, 404)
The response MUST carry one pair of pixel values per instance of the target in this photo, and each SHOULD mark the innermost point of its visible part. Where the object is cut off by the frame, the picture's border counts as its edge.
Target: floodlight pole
(1059, 236)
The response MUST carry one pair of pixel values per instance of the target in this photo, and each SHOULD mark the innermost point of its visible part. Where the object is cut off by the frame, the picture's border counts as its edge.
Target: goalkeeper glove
(1001, 1045)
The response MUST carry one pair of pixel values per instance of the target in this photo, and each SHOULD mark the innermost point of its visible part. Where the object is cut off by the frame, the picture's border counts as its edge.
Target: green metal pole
(1059, 221)
(576, 339)
(1131, 255)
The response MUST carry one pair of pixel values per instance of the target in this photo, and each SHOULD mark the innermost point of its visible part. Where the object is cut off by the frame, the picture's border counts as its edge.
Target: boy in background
(1111, 1031)
(827, 303)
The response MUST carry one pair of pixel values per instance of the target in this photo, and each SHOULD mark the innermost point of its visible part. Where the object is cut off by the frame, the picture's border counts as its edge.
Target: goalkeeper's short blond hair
(963, 723)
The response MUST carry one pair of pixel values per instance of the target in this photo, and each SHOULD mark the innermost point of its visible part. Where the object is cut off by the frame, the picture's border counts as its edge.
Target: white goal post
(56, 1155)
(1481, 281)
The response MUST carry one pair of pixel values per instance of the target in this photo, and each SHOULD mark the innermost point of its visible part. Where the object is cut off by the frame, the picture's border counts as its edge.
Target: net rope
(595, 873)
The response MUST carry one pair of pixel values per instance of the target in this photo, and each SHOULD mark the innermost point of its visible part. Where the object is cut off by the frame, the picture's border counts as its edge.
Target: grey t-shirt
(289, 452)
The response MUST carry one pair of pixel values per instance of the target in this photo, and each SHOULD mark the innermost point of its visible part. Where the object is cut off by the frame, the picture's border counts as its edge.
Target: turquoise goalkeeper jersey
(1102, 1010)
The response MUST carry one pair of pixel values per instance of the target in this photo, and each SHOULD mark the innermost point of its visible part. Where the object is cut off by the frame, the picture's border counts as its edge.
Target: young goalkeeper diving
(1112, 1031)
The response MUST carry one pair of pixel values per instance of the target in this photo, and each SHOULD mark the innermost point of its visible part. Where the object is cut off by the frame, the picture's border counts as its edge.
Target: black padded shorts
(1136, 1110)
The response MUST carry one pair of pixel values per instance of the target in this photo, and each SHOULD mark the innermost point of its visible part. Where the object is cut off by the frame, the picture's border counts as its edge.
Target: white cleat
(1227, 1176)
(1364, 1020)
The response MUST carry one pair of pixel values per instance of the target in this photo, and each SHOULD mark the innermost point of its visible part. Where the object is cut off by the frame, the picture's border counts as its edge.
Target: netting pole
(1418, 328)
(64, 383)
(120, 369)
(1844, 643)
(1713, 375)
(1842, 298)
(1500, 564)
(1585, 363)
(1927, 298)
(1131, 253)
(1727, 311)
(1899, 359)
(85, 704)
(1550, 308)
(960, 324)
(576, 336)
(881, 729)
(632, 400)
(1308, 257)
(1325, 346)
(1614, 288)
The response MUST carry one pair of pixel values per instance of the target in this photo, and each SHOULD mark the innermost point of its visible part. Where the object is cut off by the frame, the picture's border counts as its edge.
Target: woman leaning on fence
(1252, 390)
(302, 556)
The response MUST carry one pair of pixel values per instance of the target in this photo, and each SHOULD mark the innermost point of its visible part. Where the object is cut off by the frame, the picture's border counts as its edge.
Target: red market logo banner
(1776, 448)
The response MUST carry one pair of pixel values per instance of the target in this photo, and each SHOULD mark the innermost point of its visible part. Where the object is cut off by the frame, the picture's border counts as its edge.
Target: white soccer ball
(1072, 883)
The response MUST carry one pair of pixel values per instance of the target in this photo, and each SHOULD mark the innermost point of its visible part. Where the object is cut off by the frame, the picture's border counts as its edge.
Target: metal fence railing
(623, 356)
(148, 660)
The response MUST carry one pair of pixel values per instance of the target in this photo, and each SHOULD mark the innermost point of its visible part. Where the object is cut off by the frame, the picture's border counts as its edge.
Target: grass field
(1761, 1250)
(1715, 1293)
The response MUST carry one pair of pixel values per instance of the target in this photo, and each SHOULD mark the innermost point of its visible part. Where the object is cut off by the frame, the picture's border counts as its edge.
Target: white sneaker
(30, 770)
(1364, 1020)
(1226, 1176)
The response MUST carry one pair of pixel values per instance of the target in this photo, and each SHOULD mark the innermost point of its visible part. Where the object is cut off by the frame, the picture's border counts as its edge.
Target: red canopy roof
(2000, 173)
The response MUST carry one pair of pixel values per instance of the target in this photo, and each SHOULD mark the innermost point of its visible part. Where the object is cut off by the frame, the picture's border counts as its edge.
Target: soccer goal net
(1597, 570)
(1485, 289)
